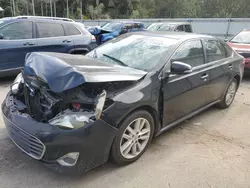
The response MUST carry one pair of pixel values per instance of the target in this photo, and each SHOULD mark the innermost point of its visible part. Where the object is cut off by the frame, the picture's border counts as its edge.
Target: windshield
(136, 51)
(113, 26)
(154, 27)
(242, 37)
(167, 27)
(1, 21)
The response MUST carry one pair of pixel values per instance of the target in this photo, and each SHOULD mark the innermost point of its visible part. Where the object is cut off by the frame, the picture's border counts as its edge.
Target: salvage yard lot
(209, 150)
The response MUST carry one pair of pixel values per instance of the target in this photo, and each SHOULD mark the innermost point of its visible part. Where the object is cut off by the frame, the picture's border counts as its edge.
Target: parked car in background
(171, 26)
(25, 34)
(75, 112)
(113, 29)
(241, 44)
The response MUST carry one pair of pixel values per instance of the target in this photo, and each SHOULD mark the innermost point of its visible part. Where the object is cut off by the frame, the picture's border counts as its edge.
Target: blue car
(25, 34)
(113, 29)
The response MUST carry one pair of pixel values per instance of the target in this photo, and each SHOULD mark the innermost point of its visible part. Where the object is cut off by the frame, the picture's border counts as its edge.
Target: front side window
(190, 53)
(214, 50)
(47, 30)
(17, 30)
(136, 51)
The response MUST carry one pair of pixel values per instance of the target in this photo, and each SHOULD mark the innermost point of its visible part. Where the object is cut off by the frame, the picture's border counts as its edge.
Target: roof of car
(41, 18)
(173, 23)
(182, 36)
(127, 21)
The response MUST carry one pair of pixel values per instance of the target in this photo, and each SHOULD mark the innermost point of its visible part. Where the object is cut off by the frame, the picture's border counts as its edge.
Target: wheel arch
(237, 77)
(152, 111)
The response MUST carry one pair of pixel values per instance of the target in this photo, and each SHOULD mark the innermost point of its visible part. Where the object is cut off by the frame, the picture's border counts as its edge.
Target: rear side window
(191, 53)
(17, 30)
(47, 30)
(71, 30)
(188, 28)
(215, 50)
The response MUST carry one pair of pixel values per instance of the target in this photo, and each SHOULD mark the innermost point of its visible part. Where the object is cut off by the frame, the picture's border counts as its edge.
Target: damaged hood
(64, 71)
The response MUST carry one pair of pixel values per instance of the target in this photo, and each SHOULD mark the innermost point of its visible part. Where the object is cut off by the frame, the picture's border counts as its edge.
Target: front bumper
(47, 143)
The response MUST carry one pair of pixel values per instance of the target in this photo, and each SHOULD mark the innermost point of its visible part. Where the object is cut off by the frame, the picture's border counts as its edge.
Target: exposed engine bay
(83, 103)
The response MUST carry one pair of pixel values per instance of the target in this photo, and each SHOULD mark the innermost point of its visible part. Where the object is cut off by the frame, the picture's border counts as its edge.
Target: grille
(26, 142)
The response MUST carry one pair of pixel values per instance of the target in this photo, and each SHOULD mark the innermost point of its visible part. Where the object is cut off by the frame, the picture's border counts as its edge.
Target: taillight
(76, 105)
(93, 38)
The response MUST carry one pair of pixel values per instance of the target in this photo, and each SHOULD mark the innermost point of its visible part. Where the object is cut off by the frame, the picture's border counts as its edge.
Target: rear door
(220, 68)
(185, 93)
(18, 41)
(51, 37)
(81, 39)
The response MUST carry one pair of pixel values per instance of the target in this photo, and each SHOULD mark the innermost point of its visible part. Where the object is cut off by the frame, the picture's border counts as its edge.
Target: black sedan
(74, 112)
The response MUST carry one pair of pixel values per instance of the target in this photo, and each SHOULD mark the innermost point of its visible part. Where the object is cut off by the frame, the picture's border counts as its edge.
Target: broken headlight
(15, 87)
(70, 120)
(74, 120)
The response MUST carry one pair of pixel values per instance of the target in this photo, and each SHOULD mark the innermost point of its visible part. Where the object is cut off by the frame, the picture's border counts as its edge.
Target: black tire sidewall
(115, 150)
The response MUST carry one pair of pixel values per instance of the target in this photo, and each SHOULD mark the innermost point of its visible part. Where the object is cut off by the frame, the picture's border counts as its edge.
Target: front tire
(230, 95)
(133, 138)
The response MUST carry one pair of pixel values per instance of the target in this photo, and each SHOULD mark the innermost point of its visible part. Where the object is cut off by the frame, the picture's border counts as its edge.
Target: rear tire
(133, 138)
(230, 95)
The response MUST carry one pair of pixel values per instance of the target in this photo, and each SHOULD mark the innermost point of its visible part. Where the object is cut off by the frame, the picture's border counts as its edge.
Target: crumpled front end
(63, 130)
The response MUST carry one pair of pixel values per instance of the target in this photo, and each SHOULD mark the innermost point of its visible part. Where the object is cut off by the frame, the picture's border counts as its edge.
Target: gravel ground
(210, 150)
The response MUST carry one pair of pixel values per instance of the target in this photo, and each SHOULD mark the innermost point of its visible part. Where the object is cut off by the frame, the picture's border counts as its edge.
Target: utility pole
(11, 9)
(33, 7)
(67, 8)
(51, 10)
(14, 8)
(42, 8)
(81, 9)
(27, 8)
(55, 7)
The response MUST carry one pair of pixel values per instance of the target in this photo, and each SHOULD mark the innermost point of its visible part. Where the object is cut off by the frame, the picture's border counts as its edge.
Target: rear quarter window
(47, 30)
(71, 30)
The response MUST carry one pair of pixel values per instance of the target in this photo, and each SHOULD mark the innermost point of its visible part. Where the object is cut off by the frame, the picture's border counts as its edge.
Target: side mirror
(178, 67)
(1, 36)
(225, 40)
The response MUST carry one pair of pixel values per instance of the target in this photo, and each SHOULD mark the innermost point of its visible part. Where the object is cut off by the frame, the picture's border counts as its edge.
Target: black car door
(185, 93)
(220, 68)
(17, 42)
(52, 38)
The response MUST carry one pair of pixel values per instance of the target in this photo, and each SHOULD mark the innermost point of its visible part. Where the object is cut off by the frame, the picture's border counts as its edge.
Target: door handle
(230, 67)
(66, 41)
(204, 77)
(29, 44)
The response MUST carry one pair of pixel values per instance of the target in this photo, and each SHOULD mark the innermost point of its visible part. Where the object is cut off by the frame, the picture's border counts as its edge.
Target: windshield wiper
(116, 60)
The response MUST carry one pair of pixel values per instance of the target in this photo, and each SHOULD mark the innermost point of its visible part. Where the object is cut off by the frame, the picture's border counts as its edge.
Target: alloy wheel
(135, 138)
(231, 93)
